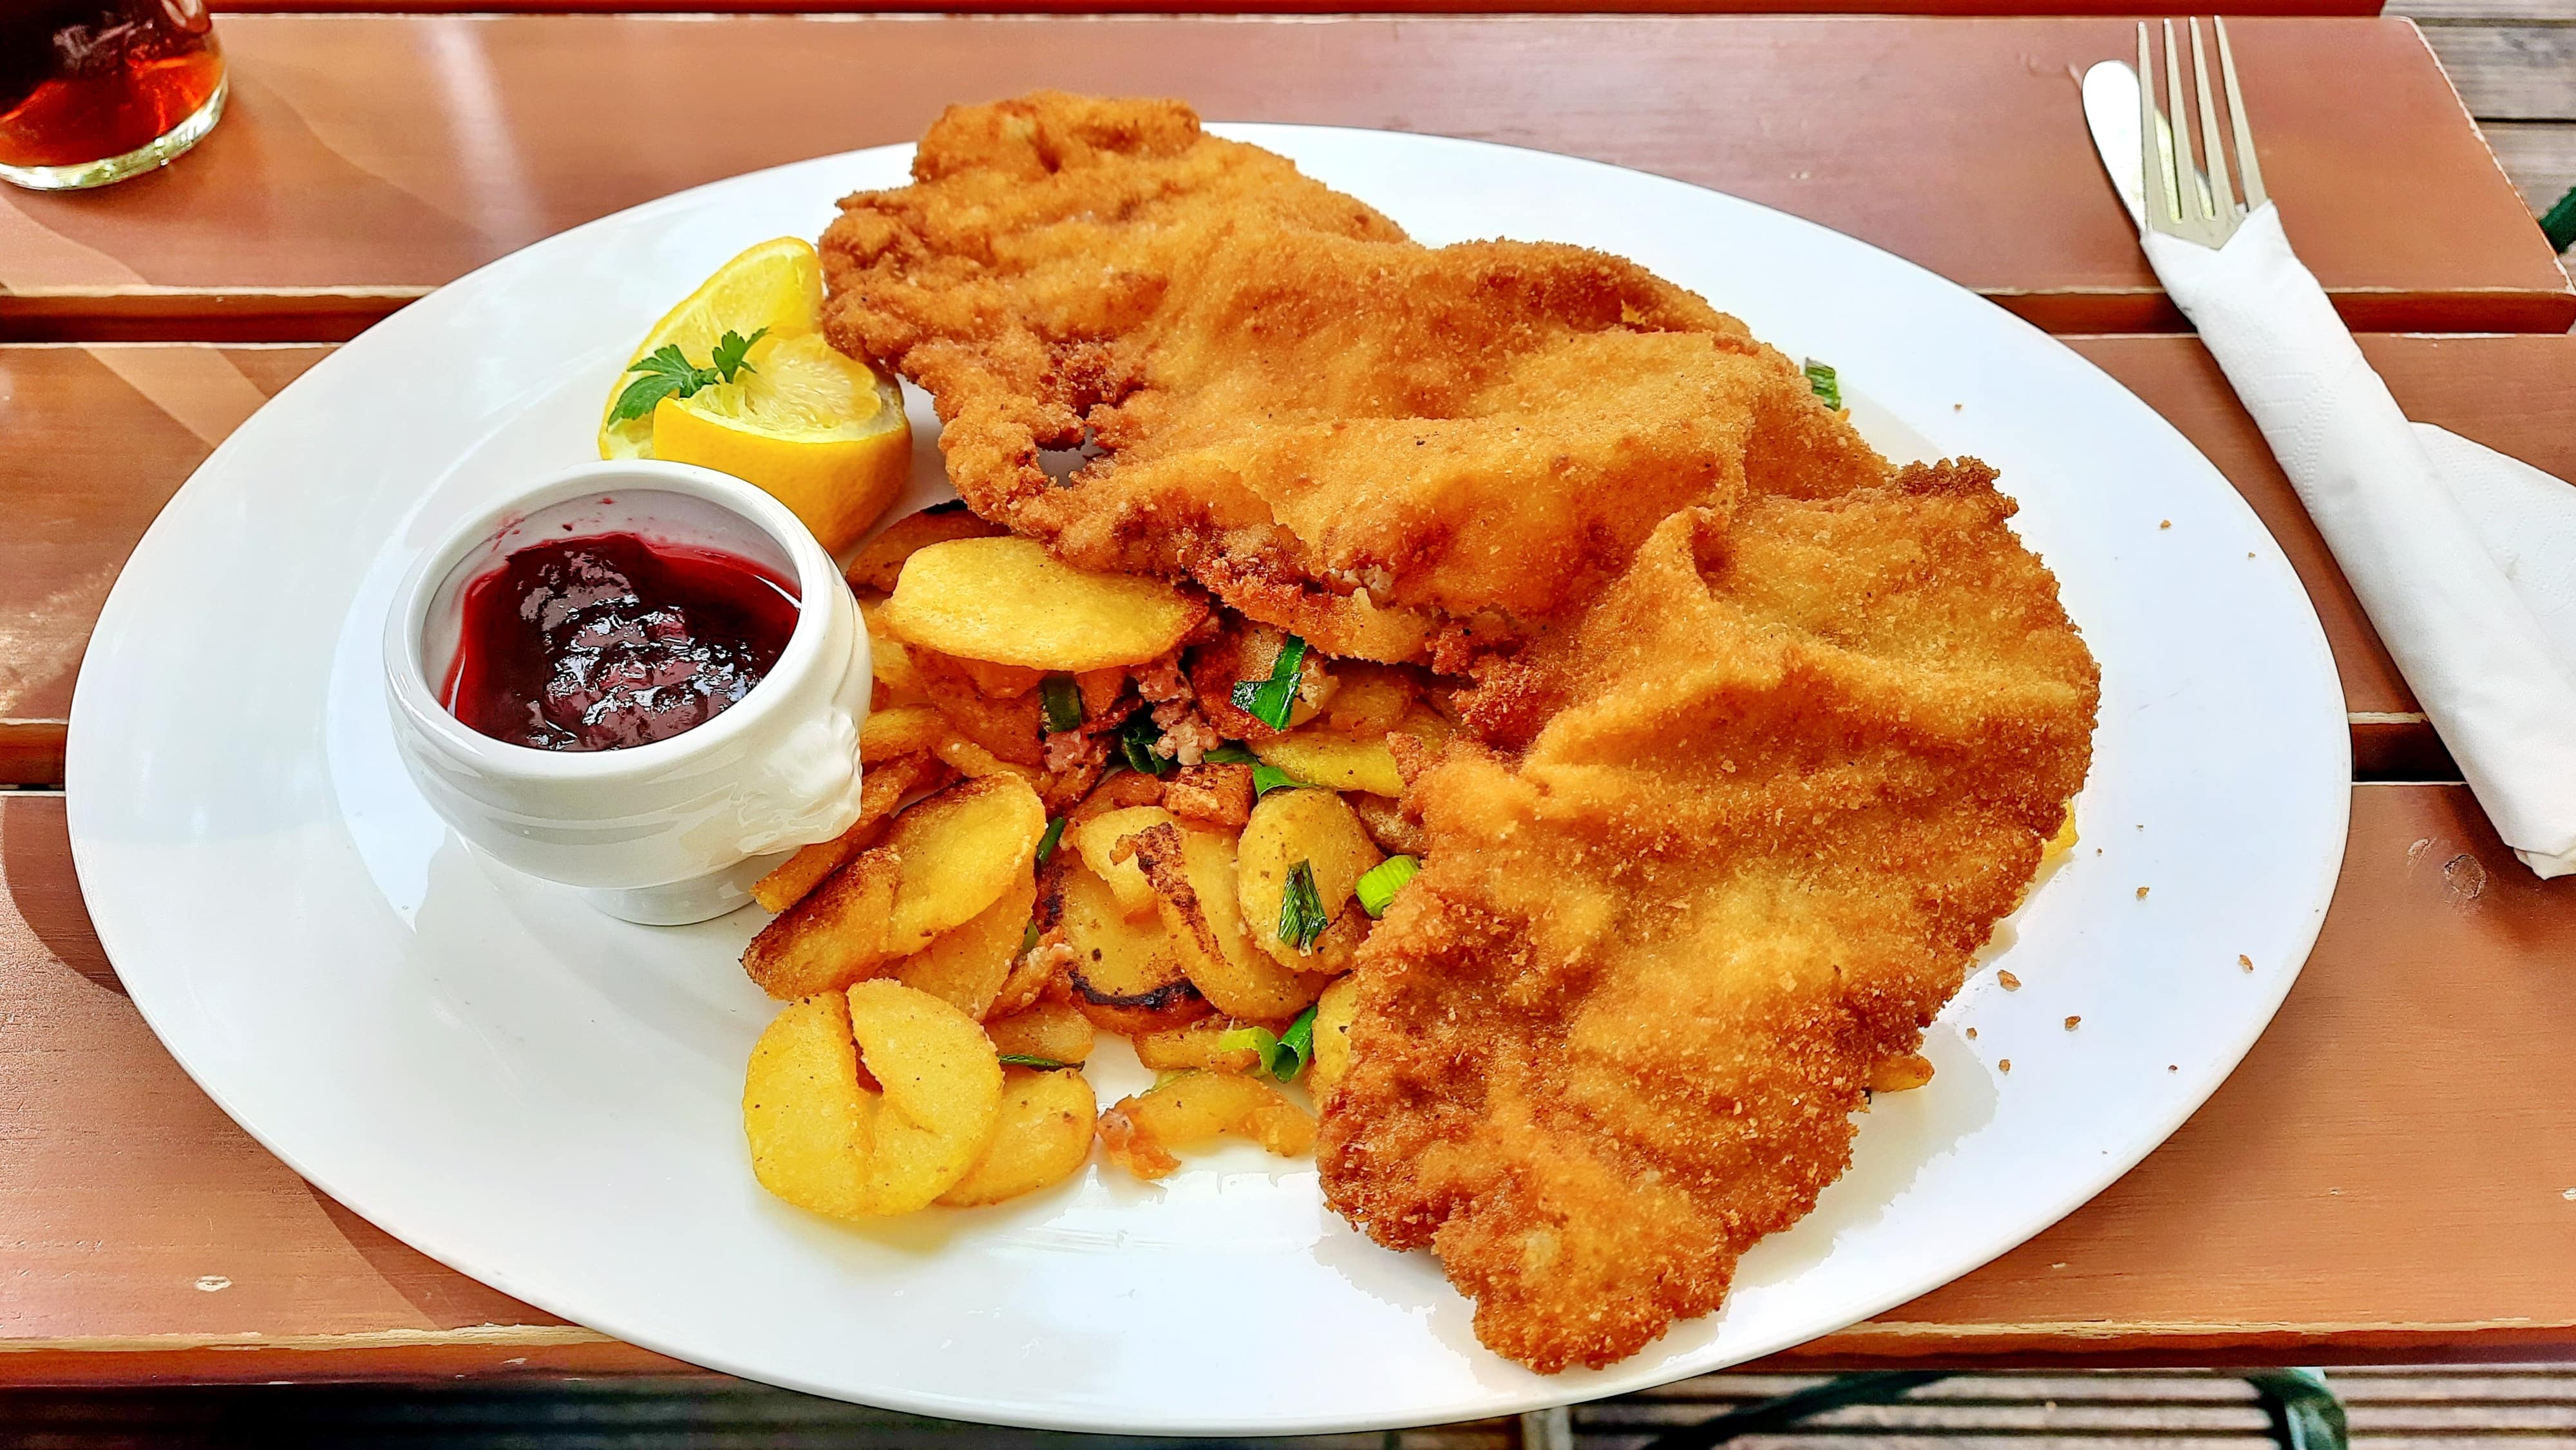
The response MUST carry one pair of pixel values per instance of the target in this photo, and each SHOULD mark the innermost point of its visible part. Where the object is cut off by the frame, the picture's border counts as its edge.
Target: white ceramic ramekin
(677, 830)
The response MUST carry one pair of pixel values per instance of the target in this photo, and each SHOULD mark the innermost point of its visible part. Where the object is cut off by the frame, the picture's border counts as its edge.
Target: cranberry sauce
(613, 640)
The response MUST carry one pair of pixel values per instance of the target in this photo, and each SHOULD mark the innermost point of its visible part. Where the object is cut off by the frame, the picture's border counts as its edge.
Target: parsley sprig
(668, 373)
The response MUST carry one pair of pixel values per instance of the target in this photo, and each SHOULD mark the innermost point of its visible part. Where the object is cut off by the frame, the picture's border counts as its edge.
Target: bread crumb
(1972, 1034)
(2244, 961)
(2071, 1021)
(2173, 1067)
(2142, 893)
(2011, 982)
(2005, 1064)
(2167, 524)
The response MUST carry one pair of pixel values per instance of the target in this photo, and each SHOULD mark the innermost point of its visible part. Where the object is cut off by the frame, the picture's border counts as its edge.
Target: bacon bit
(1071, 750)
(1162, 681)
(1218, 795)
(2011, 982)
(1187, 736)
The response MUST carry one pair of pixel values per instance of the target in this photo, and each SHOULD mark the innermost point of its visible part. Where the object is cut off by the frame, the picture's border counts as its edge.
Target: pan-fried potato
(898, 682)
(1001, 682)
(1043, 1138)
(1097, 839)
(1198, 1045)
(966, 966)
(1334, 1013)
(901, 730)
(1009, 601)
(833, 936)
(881, 789)
(1027, 982)
(945, 861)
(1370, 700)
(1315, 827)
(1195, 882)
(1115, 793)
(1333, 760)
(1012, 729)
(1395, 833)
(1193, 1107)
(1049, 1031)
(822, 1141)
(880, 561)
(1124, 974)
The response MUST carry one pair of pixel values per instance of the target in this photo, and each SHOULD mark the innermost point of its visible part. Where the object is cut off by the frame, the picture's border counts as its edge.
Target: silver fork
(2190, 197)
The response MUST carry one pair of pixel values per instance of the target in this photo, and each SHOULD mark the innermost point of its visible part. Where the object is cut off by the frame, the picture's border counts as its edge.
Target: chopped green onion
(1267, 778)
(1231, 754)
(1047, 842)
(1301, 909)
(1283, 1056)
(1062, 699)
(1029, 939)
(1042, 1064)
(1820, 376)
(1299, 1042)
(1268, 700)
(1136, 741)
(1377, 887)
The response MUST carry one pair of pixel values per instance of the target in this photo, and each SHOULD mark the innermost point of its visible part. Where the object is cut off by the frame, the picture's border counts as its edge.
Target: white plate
(547, 1099)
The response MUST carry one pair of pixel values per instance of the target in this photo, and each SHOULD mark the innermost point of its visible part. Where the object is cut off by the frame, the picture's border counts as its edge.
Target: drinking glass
(94, 91)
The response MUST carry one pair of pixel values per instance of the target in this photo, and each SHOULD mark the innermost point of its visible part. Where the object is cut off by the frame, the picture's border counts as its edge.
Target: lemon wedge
(823, 433)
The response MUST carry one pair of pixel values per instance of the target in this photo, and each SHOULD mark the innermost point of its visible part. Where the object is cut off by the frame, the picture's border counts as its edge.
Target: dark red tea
(86, 80)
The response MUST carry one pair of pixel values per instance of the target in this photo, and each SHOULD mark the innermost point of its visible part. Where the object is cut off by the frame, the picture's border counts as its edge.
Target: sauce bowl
(676, 830)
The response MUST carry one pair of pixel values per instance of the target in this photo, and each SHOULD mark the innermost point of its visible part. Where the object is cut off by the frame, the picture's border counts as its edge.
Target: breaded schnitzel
(1395, 451)
(1788, 773)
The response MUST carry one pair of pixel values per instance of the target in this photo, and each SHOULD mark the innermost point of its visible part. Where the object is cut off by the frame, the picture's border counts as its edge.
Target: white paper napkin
(2465, 559)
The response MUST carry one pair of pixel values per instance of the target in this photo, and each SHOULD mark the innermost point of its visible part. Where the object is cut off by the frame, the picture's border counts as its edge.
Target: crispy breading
(1782, 780)
(1396, 451)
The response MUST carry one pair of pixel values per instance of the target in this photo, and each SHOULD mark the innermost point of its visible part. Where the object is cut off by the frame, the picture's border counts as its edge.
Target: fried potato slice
(1043, 1137)
(1011, 728)
(822, 1141)
(880, 561)
(1396, 833)
(1009, 601)
(1199, 1045)
(1193, 1107)
(1122, 972)
(1333, 760)
(945, 861)
(1334, 1013)
(881, 790)
(1318, 829)
(1048, 1031)
(1098, 840)
(898, 680)
(901, 730)
(1195, 885)
(966, 966)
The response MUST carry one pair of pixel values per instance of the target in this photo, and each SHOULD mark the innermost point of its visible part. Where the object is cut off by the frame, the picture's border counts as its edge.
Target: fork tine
(2245, 162)
(2189, 201)
(2213, 147)
(2155, 158)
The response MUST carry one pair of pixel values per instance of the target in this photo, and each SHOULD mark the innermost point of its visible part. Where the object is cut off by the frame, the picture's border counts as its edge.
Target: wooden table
(2390, 1173)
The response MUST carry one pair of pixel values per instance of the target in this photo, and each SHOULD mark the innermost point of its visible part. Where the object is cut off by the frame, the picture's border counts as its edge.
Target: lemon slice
(823, 433)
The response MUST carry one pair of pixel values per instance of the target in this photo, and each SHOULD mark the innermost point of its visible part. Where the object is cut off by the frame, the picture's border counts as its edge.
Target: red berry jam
(614, 640)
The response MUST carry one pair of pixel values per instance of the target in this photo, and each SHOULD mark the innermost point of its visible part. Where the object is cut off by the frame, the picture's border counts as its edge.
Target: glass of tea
(94, 91)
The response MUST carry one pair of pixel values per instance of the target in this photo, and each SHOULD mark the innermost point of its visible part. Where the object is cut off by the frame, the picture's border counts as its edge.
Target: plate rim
(1546, 1392)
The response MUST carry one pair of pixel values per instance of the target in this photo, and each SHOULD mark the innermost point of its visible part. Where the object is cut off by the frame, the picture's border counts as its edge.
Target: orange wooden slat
(1286, 7)
(104, 449)
(368, 156)
(2383, 1176)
